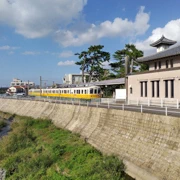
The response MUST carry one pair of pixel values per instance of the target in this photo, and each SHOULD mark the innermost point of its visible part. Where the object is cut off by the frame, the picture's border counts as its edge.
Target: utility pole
(40, 87)
(28, 89)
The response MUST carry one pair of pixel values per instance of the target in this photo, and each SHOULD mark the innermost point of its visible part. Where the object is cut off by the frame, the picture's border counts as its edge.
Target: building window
(167, 63)
(166, 88)
(152, 88)
(171, 62)
(145, 89)
(131, 90)
(141, 89)
(159, 64)
(155, 65)
(172, 88)
(157, 88)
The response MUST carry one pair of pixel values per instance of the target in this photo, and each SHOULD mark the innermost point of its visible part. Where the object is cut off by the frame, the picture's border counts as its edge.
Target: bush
(2, 124)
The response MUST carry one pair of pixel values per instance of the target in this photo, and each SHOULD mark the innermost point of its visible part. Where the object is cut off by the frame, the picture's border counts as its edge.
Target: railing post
(141, 108)
(166, 112)
(177, 103)
(79, 103)
(87, 103)
(161, 102)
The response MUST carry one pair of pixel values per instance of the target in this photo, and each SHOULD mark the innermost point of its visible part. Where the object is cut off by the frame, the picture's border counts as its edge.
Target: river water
(4, 131)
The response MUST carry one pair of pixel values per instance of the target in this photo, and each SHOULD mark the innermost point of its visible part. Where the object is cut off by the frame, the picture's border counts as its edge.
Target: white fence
(174, 103)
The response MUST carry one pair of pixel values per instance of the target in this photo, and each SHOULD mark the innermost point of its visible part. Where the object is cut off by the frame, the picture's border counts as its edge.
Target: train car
(87, 93)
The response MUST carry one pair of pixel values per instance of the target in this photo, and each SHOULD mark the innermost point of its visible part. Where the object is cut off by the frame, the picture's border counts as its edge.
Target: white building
(162, 81)
(74, 78)
(18, 82)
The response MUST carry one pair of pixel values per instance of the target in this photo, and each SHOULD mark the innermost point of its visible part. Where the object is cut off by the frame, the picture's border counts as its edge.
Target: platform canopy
(119, 81)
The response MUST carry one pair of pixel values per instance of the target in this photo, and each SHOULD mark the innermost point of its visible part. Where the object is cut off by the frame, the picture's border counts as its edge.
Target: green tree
(119, 67)
(83, 63)
(91, 61)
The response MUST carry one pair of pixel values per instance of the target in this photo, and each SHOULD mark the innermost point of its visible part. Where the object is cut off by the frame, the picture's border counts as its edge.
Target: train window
(91, 91)
(99, 90)
(81, 91)
(95, 91)
(85, 92)
(64, 91)
(74, 91)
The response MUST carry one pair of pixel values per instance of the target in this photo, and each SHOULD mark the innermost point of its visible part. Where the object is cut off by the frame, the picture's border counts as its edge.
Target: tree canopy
(119, 67)
(91, 61)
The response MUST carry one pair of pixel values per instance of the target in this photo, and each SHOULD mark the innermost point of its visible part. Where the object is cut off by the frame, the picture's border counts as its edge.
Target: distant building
(18, 82)
(19, 86)
(74, 78)
(16, 89)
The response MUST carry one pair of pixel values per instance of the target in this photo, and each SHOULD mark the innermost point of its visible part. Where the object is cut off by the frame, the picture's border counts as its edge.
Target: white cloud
(8, 48)
(118, 28)
(106, 65)
(66, 54)
(171, 31)
(11, 52)
(66, 63)
(30, 53)
(37, 18)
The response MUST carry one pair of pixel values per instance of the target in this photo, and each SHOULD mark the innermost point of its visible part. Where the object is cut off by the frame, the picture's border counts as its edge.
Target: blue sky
(40, 37)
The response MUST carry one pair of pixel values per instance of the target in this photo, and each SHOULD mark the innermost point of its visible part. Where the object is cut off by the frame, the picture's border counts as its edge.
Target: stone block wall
(149, 144)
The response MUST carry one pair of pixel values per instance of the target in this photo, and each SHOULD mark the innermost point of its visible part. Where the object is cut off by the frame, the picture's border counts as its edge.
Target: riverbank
(35, 148)
(145, 142)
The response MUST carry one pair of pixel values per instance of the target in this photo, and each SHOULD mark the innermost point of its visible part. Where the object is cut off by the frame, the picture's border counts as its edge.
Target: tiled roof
(166, 53)
(163, 40)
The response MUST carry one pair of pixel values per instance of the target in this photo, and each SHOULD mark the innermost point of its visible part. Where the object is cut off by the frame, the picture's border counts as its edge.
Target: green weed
(36, 149)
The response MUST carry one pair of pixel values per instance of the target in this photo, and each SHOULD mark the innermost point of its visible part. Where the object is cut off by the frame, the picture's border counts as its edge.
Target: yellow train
(87, 93)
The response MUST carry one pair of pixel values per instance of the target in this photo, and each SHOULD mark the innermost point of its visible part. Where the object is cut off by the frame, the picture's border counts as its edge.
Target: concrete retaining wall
(149, 144)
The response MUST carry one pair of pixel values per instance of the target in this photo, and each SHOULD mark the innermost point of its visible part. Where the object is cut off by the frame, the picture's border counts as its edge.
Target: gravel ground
(2, 174)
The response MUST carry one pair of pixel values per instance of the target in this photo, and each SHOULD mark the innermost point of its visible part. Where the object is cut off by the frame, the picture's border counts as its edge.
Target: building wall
(134, 82)
(176, 63)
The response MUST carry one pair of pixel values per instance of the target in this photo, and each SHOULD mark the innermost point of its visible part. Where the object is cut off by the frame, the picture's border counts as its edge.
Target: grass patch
(36, 149)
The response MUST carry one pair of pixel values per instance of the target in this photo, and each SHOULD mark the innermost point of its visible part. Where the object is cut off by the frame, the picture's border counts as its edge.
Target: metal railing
(121, 105)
